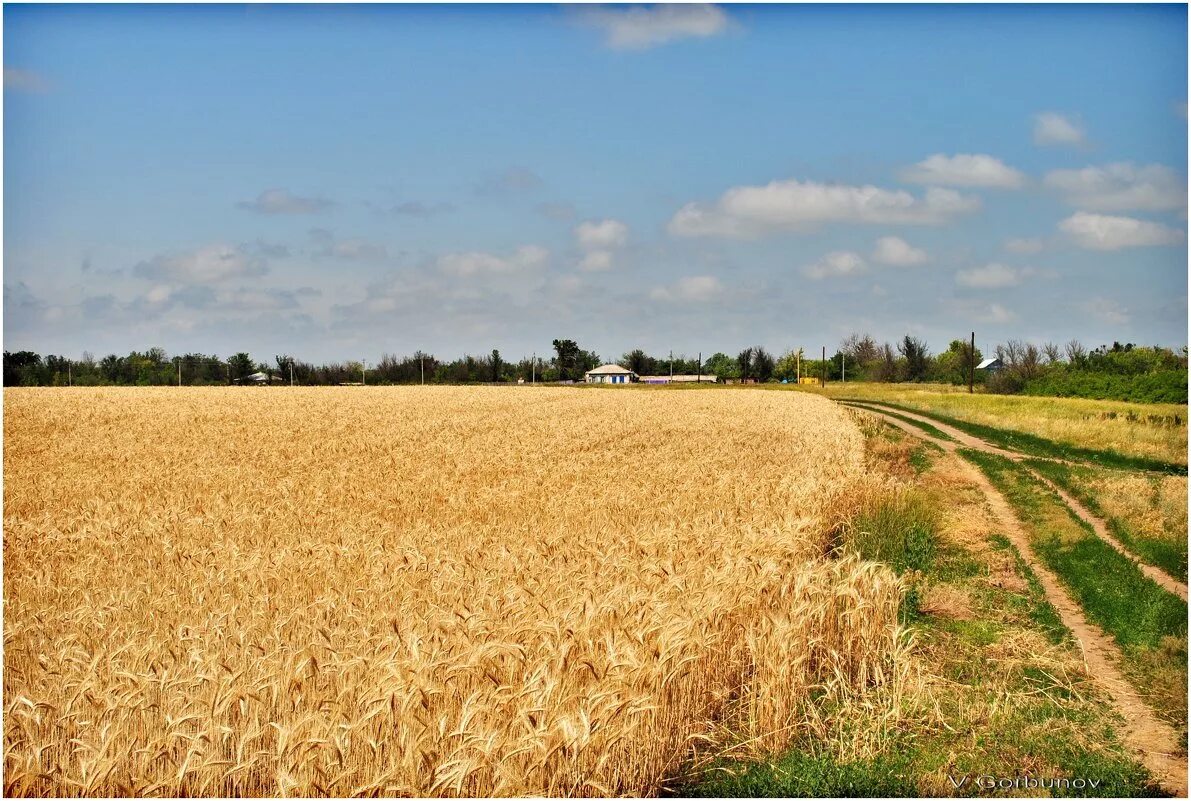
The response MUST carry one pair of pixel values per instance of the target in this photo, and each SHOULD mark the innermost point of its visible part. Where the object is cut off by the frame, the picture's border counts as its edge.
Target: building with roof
(702, 378)
(610, 374)
(993, 364)
(260, 378)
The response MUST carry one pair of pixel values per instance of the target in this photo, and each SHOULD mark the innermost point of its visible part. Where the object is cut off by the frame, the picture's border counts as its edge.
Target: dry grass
(427, 591)
(1155, 507)
(1132, 429)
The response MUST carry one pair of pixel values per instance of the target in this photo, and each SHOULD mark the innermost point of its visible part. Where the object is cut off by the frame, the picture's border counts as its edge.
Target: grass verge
(1147, 622)
(1170, 556)
(1032, 445)
(927, 427)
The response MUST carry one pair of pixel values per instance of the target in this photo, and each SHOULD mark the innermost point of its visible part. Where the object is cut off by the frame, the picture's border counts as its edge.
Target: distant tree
(952, 365)
(284, 363)
(721, 365)
(637, 361)
(566, 358)
(1076, 353)
(240, 366)
(494, 364)
(1052, 352)
(886, 368)
(763, 364)
(744, 364)
(15, 365)
(915, 352)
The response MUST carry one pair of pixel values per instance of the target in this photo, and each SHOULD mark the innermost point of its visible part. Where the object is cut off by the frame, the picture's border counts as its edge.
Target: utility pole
(972, 364)
(699, 369)
(69, 379)
(843, 368)
(798, 366)
(179, 371)
(291, 372)
(823, 377)
(533, 369)
(671, 366)
(422, 367)
(363, 372)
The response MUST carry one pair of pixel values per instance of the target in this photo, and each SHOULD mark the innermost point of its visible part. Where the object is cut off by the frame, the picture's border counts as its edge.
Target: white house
(610, 374)
(991, 364)
(260, 378)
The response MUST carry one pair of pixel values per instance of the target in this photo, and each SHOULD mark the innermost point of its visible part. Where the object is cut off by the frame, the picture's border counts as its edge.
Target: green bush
(1166, 386)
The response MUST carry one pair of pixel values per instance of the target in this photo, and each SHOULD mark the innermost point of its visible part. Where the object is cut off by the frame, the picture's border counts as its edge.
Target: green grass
(1169, 556)
(898, 530)
(1032, 445)
(927, 427)
(1146, 621)
(801, 775)
(1035, 605)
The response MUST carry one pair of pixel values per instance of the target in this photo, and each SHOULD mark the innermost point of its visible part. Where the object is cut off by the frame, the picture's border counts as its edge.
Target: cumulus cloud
(1104, 232)
(1052, 128)
(476, 263)
(205, 265)
(994, 313)
(792, 205)
(643, 27)
(1025, 245)
(691, 289)
(1106, 310)
(898, 252)
(991, 276)
(282, 201)
(599, 240)
(601, 234)
(964, 169)
(1121, 187)
(834, 264)
(19, 80)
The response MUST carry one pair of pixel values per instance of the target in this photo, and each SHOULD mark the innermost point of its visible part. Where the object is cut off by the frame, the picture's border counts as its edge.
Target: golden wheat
(426, 591)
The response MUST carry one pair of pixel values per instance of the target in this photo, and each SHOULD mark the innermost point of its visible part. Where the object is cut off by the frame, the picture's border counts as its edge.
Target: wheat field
(422, 591)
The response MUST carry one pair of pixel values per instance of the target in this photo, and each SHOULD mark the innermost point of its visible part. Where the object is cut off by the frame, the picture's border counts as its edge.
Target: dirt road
(1157, 745)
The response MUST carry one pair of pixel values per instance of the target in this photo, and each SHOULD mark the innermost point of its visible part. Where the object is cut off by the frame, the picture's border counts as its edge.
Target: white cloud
(1103, 232)
(474, 263)
(995, 313)
(282, 201)
(1107, 311)
(596, 261)
(750, 211)
(691, 289)
(964, 169)
(990, 276)
(1025, 246)
(642, 27)
(1052, 128)
(326, 245)
(898, 252)
(209, 264)
(604, 234)
(836, 263)
(599, 240)
(1121, 187)
(19, 80)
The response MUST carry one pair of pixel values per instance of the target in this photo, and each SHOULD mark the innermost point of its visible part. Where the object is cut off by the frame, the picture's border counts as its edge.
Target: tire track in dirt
(1098, 524)
(1156, 743)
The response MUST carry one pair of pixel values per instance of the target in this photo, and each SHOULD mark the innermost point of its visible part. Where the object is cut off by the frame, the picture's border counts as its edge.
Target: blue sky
(338, 181)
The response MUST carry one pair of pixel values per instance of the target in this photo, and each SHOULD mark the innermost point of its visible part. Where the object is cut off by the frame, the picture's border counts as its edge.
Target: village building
(610, 374)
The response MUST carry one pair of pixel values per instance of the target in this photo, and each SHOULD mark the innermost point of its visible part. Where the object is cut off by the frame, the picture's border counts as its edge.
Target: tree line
(1117, 371)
